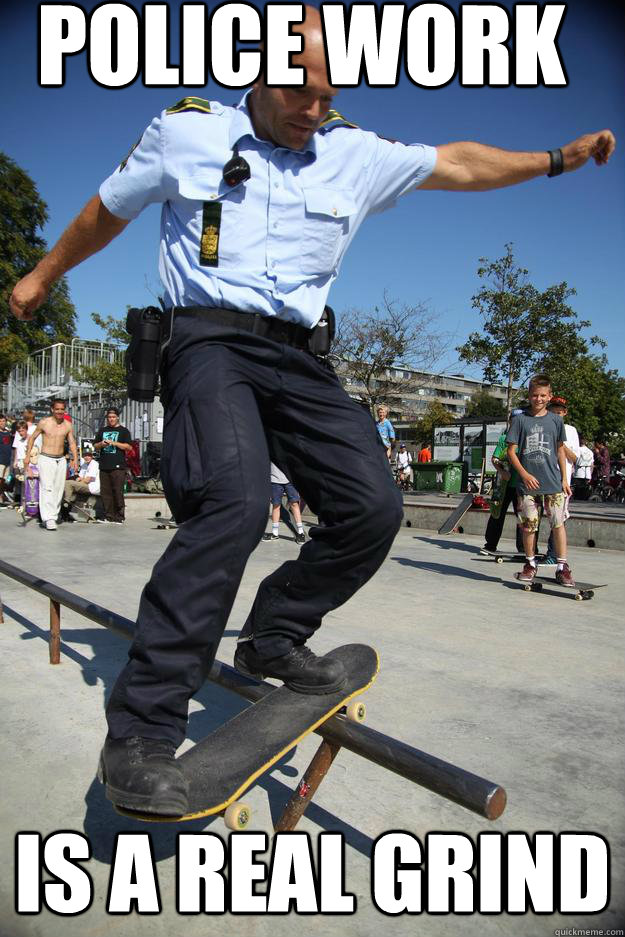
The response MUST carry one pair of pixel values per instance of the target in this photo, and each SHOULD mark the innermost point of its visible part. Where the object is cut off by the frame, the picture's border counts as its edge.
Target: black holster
(143, 355)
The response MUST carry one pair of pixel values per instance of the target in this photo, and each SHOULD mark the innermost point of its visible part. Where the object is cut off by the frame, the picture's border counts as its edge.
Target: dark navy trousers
(233, 401)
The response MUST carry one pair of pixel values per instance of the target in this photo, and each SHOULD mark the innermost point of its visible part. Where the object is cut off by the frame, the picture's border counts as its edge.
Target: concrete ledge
(606, 533)
(140, 505)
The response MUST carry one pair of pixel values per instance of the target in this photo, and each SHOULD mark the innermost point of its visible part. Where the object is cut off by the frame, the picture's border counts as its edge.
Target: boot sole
(140, 802)
(306, 689)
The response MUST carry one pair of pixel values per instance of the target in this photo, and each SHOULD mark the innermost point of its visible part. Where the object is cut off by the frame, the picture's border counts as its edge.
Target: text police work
(365, 43)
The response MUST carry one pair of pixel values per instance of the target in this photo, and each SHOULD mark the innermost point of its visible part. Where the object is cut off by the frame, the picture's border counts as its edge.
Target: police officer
(260, 203)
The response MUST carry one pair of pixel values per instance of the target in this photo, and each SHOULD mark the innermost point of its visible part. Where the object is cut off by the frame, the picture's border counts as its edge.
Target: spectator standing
(6, 446)
(280, 485)
(385, 429)
(539, 438)
(425, 454)
(507, 481)
(582, 472)
(28, 417)
(558, 405)
(112, 442)
(602, 461)
(56, 432)
(404, 461)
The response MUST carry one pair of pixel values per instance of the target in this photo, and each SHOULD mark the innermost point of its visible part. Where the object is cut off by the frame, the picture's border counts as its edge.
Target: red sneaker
(564, 576)
(527, 573)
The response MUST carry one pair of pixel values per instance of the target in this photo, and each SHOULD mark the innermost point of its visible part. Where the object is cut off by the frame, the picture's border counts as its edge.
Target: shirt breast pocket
(214, 218)
(327, 217)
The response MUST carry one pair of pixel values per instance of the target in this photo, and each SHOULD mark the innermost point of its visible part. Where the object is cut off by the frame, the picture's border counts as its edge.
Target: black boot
(300, 669)
(142, 774)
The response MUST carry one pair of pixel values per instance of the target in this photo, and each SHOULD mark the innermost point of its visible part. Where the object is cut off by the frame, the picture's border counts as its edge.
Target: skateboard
(221, 767)
(580, 591)
(502, 556)
(457, 514)
(163, 523)
(85, 513)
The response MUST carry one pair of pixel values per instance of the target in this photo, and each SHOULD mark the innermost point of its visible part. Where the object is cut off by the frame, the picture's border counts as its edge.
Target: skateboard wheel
(579, 596)
(499, 559)
(237, 816)
(356, 711)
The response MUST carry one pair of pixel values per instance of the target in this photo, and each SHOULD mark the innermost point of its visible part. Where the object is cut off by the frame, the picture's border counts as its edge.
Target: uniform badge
(209, 240)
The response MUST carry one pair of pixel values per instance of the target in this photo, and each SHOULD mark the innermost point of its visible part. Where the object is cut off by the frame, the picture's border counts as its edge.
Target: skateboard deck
(221, 767)
(456, 515)
(85, 513)
(164, 523)
(580, 591)
(502, 556)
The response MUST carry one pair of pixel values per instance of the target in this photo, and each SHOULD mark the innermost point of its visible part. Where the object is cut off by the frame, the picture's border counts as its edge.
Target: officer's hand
(598, 145)
(28, 295)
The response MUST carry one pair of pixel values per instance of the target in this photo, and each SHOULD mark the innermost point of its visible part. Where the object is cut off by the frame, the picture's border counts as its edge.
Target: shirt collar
(242, 126)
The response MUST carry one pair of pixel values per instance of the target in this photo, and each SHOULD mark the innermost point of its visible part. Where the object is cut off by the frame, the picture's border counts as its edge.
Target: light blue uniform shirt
(284, 231)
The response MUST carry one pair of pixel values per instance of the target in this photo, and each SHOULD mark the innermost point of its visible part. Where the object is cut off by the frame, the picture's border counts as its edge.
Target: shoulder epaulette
(190, 104)
(334, 119)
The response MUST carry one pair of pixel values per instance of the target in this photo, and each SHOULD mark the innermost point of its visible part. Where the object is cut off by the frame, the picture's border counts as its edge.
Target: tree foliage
(393, 337)
(595, 393)
(108, 376)
(435, 415)
(521, 323)
(22, 214)
(483, 406)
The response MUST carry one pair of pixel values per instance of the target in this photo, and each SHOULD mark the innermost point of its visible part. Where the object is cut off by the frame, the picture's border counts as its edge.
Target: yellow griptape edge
(152, 818)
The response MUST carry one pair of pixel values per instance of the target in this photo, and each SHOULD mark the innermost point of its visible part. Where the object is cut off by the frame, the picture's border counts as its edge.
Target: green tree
(595, 393)
(22, 214)
(108, 376)
(521, 324)
(483, 406)
(394, 337)
(435, 415)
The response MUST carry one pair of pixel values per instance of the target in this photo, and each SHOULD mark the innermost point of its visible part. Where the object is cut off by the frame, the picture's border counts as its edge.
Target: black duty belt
(277, 330)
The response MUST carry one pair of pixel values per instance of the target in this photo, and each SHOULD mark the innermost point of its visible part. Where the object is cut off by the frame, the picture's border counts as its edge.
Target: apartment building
(408, 393)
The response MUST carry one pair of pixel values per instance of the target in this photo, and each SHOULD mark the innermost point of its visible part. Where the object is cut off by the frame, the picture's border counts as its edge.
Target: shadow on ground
(101, 822)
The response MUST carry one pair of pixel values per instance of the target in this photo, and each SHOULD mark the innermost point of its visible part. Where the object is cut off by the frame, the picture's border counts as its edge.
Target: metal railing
(471, 791)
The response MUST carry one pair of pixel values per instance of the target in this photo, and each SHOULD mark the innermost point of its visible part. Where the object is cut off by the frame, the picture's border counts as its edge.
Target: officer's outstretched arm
(88, 233)
(474, 167)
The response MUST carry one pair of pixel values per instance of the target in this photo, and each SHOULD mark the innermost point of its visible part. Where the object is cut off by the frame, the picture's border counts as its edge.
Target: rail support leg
(313, 776)
(1, 612)
(55, 632)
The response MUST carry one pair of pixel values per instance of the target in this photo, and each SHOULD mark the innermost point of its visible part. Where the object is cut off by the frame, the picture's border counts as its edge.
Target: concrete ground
(523, 689)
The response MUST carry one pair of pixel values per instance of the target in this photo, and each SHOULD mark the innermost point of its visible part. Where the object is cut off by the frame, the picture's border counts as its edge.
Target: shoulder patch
(334, 119)
(190, 104)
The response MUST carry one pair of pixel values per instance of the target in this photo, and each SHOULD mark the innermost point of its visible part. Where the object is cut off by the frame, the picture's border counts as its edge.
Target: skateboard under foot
(225, 764)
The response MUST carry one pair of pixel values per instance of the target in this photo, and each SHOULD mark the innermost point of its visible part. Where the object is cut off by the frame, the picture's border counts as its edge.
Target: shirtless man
(52, 465)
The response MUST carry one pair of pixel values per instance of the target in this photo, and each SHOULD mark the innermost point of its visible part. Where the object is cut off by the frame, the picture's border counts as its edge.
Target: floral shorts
(555, 507)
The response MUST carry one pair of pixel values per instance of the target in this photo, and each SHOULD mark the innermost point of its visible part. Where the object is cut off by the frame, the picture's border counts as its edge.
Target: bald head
(289, 116)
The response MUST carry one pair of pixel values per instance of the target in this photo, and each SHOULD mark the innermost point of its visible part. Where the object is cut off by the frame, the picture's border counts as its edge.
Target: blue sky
(427, 248)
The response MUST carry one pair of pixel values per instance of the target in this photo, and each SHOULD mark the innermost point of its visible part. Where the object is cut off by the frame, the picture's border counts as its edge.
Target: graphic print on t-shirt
(113, 435)
(536, 443)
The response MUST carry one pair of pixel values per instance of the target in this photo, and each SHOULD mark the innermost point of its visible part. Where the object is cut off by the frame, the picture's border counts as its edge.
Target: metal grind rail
(469, 790)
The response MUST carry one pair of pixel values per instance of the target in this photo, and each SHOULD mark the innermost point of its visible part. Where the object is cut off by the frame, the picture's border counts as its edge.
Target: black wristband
(556, 162)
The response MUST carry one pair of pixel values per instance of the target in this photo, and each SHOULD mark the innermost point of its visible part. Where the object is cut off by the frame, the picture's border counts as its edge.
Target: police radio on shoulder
(236, 169)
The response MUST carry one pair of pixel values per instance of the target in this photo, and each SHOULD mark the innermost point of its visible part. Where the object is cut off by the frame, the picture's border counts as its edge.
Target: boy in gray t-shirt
(535, 449)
